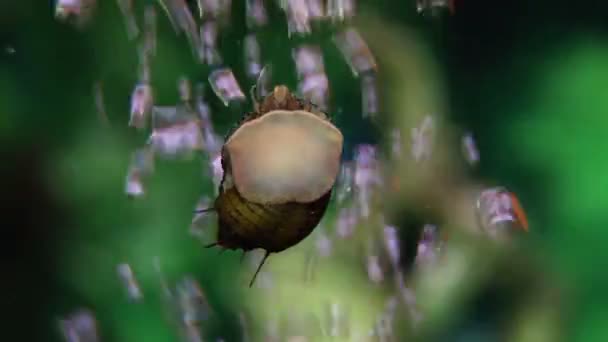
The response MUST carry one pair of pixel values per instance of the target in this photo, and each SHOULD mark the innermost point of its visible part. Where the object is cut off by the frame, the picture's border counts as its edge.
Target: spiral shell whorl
(273, 227)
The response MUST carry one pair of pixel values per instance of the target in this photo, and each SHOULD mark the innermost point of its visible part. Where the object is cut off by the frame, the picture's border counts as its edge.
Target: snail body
(280, 166)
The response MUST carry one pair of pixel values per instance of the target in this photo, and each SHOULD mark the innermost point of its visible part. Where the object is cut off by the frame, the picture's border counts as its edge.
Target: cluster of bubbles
(185, 128)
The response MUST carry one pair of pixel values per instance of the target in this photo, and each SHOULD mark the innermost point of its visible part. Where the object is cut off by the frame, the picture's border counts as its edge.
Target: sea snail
(280, 165)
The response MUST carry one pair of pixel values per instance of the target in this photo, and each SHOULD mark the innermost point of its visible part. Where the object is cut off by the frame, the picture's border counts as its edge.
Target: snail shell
(280, 166)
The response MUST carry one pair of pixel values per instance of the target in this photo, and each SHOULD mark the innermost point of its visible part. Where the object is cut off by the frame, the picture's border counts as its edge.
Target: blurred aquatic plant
(566, 117)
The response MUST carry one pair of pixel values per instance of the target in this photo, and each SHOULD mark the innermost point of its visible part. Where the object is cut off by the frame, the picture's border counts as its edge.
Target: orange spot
(519, 212)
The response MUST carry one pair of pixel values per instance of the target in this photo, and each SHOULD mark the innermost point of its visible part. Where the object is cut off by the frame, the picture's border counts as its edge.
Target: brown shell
(248, 225)
(279, 166)
(285, 156)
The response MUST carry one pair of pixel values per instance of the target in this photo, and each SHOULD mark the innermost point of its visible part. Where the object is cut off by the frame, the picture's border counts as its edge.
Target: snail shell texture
(280, 166)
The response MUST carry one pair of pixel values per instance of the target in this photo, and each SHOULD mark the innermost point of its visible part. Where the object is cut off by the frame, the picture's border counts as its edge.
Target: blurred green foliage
(566, 116)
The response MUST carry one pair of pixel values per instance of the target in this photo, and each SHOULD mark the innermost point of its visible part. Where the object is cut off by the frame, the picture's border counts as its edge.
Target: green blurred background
(528, 78)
